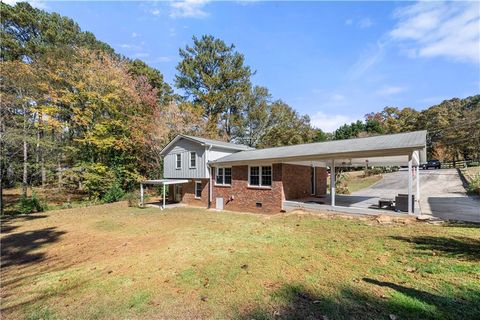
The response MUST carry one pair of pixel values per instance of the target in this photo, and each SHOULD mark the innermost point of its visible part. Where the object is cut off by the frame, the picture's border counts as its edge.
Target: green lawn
(115, 262)
(356, 181)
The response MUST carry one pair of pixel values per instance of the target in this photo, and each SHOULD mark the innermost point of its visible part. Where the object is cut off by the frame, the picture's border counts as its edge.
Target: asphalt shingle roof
(409, 140)
(217, 143)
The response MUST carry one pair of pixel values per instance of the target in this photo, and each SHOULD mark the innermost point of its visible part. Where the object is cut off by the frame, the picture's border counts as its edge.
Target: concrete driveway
(441, 193)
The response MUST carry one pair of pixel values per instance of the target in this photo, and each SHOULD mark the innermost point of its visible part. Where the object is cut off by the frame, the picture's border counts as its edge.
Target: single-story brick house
(221, 175)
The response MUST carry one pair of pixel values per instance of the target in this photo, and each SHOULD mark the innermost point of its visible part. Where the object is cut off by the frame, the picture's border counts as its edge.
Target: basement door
(178, 193)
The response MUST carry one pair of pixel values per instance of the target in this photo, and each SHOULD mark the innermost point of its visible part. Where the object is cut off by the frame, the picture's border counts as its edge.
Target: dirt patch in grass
(115, 262)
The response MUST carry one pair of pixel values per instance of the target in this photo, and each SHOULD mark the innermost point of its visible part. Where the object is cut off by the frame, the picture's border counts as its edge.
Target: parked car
(435, 164)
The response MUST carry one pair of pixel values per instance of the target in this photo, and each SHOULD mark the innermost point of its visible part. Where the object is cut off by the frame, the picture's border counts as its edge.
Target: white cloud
(188, 9)
(330, 123)
(130, 46)
(155, 11)
(362, 23)
(34, 3)
(447, 29)
(365, 23)
(141, 55)
(390, 90)
(368, 59)
(159, 59)
(135, 35)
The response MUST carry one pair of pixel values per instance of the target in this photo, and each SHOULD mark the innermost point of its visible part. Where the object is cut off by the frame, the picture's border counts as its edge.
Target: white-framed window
(198, 189)
(178, 161)
(193, 159)
(223, 176)
(260, 176)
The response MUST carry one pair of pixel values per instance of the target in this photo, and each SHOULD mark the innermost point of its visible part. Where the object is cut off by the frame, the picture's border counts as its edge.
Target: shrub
(474, 184)
(374, 171)
(341, 185)
(97, 180)
(133, 198)
(31, 204)
(115, 193)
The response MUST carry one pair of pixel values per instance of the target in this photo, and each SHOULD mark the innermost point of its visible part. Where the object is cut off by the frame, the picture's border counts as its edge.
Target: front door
(178, 193)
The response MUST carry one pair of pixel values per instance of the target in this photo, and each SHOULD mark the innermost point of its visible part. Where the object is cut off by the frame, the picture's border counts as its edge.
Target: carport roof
(377, 146)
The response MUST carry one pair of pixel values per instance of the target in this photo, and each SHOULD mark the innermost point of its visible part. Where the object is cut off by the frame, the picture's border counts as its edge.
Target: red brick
(188, 193)
(289, 182)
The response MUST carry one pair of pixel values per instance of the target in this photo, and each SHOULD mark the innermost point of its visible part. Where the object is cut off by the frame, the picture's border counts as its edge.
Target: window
(227, 175)
(193, 160)
(224, 176)
(178, 161)
(198, 189)
(260, 176)
(254, 176)
(266, 176)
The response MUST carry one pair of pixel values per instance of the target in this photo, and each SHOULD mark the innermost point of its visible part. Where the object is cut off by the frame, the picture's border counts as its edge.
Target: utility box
(401, 203)
(219, 203)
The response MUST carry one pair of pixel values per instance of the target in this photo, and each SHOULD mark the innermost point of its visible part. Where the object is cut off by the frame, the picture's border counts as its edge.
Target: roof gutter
(325, 156)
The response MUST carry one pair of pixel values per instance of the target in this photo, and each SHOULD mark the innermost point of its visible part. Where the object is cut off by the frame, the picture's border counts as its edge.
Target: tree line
(453, 127)
(75, 114)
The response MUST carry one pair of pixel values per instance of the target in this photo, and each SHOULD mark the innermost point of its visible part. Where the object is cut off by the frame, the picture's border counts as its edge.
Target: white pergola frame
(162, 182)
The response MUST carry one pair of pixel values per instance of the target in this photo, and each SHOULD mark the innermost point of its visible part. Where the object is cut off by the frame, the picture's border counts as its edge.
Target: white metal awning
(161, 182)
(165, 181)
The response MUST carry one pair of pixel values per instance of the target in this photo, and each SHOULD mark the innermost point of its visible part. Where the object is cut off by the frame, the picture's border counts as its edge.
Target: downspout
(210, 187)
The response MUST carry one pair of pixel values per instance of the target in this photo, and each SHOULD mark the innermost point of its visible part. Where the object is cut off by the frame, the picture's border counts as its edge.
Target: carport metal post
(410, 184)
(332, 184)
(418, 183)
(163, 205)
(141, 194)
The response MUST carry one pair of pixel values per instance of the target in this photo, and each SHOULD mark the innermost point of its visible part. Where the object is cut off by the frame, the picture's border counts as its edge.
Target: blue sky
(335, 61)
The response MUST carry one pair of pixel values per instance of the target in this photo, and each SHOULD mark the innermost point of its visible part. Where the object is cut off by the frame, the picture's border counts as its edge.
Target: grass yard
(356, 181)
(472, 175)
(115, 262)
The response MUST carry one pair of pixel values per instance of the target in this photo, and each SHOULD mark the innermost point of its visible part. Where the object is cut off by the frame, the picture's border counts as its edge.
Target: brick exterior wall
(296, 181)
(245, 198)
(321, 181)
(288, 182)
(188, 193)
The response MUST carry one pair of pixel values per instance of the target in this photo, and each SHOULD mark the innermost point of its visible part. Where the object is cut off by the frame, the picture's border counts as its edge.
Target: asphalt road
(441, 193)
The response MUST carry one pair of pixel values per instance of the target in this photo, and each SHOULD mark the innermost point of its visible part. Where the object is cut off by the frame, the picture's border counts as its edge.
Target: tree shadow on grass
(461, 224)
(463, 306)
(18, 248)
(460, 247)
(294, 302)
(8, 223)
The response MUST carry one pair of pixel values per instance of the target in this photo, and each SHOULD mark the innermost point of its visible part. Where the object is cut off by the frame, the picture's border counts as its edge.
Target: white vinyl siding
(223, 176)
(260, 176)
(185, 147)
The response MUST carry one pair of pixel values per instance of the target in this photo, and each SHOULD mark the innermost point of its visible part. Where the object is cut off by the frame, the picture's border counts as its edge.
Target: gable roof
(208, 143)
(392, 144)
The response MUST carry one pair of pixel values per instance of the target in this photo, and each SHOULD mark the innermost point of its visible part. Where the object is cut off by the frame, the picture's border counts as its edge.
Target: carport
(402, 149)
(162, 182)
(358, 204)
